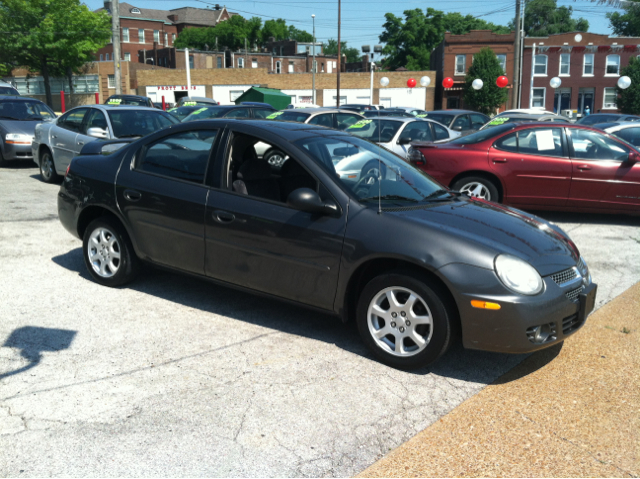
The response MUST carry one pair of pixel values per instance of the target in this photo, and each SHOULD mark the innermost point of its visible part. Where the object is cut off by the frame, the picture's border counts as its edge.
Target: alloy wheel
(476, 190)
(104, 252)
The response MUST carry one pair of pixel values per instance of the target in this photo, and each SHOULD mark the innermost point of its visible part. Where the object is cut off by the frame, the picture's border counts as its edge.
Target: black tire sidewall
(493, 190)
(129, 262)
(373, 164)
(441, 317)
(54, 174)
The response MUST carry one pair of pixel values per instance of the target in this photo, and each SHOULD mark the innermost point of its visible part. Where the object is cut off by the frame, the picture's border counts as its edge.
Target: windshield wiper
(389, 197)
(130, 136)
(9, 118)
(436, 193)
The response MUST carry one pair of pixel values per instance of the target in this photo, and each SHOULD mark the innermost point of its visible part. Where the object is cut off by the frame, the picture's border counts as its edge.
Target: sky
(362, 20)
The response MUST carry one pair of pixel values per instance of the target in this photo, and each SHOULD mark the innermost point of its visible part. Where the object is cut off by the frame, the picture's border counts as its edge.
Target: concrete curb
(568, 411)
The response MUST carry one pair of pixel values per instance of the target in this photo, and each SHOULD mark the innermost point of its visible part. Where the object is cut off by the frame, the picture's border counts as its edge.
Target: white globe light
(384, 81)
(624, 82)
(425, 81)
(477, 84)
(578, 38)
(555, 82)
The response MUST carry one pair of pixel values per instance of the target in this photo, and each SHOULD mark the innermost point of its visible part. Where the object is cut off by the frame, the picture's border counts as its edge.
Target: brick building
(453, 57)
(589, 70)
(148, 29)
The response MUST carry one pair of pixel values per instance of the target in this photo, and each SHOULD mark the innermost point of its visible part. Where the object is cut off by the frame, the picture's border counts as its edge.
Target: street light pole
(115, 39)
(339, 58)
(313, 63)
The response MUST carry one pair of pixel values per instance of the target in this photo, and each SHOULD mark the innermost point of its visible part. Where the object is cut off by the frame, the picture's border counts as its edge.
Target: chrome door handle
(584, 167)
(54, 136)
(81, 143)
(499, 160)
(223, 216)
(132, 195)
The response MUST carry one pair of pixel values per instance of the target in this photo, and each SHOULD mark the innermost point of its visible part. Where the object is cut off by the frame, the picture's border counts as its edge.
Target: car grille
(570, 323)
(574, 293)
(564, 276)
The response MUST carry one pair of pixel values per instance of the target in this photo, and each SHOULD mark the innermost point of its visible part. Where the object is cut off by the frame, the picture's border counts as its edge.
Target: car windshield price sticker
(360, 124)
(544, 138)
(189, 103)
(499, 121)
(115, 101)
(421, 116)
(274, 115)
(197, 112)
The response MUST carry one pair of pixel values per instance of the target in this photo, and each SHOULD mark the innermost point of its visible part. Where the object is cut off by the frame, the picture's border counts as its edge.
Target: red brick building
(453, 57)
(589, 67)
(146, 29)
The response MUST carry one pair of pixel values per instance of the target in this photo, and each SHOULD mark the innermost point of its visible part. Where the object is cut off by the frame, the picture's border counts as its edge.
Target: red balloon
(502, 81)
(411, 82)
(447, 82)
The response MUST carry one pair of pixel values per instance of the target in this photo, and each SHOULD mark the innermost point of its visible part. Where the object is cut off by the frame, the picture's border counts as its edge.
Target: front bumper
(511, 329)
(17, 151)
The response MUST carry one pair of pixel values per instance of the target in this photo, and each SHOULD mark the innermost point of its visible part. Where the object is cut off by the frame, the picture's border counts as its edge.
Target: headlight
(584, 271)
(18, 139)
(518, 275)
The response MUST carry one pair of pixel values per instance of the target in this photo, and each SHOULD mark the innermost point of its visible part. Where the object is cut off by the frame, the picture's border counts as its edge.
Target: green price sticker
(360, 124)
(197, 112)
(421, 116)
(189, 103)
(115, 101)
(172, 109)
(274, 115)
(499, 120)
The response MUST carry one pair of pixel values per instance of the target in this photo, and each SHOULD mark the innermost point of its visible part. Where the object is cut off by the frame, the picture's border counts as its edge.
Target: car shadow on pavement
(458, 363)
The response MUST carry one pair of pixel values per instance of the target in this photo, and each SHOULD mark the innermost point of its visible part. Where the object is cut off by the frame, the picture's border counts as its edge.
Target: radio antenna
(379, 164)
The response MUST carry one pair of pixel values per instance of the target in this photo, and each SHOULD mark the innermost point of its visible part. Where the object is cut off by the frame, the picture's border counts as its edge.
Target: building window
(460, 64)
(106, 57)
(125, 35)
(111, 81)
(166, 39)
(610, 99)
(254, 63)
(135, 10)
(127, 57)
(191, 62)
(140, 35)
(565, 61)
(540, 67)
(291, 68)
(587, 68)
(101, 57)
(240, 62)
(322, 68)
(219, 62)
(503, 62)
(278, 67)
(156, 36)
(538, 97)
(173, 39)
(613, 65)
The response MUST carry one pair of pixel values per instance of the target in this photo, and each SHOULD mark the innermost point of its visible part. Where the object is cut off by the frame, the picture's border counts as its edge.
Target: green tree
(331, 48)
(409, 42)
(230, 33)
(276, 29)
(629, 99)
(52, 37)
(626, 24)
(459, 24)
(487, 68)
(196, 38)
(299, 35)
(544, 17)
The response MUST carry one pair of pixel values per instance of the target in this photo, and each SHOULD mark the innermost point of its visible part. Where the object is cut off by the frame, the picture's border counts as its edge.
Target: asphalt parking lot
(171, 376)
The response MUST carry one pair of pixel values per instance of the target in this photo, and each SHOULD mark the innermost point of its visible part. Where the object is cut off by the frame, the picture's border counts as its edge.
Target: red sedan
(539, 166)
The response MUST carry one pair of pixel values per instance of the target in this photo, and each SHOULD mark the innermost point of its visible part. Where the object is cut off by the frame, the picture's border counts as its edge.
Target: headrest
(292, 168)
(254, 170)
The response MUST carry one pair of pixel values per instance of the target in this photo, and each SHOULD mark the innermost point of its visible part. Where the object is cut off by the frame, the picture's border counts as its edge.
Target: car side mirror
(305, 199)
(457, 128)
(98, 133)
(633, 157)
(404, 141)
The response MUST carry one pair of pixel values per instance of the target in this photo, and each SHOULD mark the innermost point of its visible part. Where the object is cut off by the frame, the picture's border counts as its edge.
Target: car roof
(617, 126)
(535, 116)
(19, 98)
(116, 107)
(456, 112)
(129, 96)
(402, 119)
(197, 98)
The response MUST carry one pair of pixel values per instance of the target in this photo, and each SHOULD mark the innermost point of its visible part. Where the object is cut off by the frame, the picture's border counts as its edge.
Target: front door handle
(499, 160)
(54, 136)
(132, 195)
(81, 143)
(584, 167)
(223, 216)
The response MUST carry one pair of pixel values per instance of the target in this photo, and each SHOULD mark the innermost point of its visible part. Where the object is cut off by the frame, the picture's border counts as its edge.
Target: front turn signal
(484, 304)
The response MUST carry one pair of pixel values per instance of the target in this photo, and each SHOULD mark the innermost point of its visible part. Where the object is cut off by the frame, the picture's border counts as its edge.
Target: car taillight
(67, 172)
(416, 157)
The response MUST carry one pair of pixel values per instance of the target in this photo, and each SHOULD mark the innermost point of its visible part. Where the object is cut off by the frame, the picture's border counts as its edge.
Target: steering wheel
(363, 185)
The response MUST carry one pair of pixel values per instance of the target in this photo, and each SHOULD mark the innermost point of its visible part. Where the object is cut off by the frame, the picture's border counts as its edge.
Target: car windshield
(25, 110)
(378, 130)
(372, 173)
(182, 111)
(205, 113)
(289, 115)
(441, 118)
(501, 120)
(133, 123)
(8, 91)
(482, 135)
(127, 101)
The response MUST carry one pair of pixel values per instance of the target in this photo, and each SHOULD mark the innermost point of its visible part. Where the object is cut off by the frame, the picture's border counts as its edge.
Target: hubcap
(399, 321)
(375, 174)
(476, 190)
(104, 252)
(47, 167)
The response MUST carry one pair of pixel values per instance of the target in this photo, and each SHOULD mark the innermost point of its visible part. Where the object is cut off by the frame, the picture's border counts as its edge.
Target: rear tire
(477, 187)
(48, 168)
(405, 320)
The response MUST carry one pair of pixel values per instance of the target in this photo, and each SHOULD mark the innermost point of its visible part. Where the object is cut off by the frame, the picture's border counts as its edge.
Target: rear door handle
(584, 167)
(81, 143)
(54, 136)
(132, 195)
(223, 216)
(499, 160)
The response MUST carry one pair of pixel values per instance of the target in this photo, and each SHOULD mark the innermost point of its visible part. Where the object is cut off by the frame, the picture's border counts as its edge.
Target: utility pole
(533, 67)
(115, 39)
(339, 58)
(187, 67)
(313, 62)
(245, 53)
(515, 91)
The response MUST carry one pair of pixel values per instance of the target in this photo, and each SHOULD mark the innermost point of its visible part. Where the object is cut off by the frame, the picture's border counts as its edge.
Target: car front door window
(477, 121)
(631, 135)
(262, 112)
(461, 123)
(95, 119)
(239, 113)
(345, 120)
(322, 120)
(440, 132)
(416, 131)
(72, 121)
(590, 145)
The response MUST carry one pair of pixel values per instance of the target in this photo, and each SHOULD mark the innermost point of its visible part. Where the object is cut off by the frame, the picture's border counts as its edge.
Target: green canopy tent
(273, 97)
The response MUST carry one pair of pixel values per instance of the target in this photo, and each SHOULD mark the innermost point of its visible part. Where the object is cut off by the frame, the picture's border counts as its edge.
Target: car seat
(254, 179)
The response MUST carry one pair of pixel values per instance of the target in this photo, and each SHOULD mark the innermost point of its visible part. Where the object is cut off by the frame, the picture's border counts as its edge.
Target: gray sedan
(56, 143)
(628, 131)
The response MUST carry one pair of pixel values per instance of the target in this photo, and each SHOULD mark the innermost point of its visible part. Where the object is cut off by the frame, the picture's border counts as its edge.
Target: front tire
(48, 168)
(477, 187)
(405, 320)
(108, 253)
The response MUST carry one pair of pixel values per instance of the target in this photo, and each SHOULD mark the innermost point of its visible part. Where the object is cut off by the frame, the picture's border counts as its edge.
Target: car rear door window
(541, 141)
(239, 113)
(183, 156)
(477, 121)
(72, 121)
(417, 131)
(262, 112)
(345, 120)
(590, 145)
(440, 132)
(632, 135)
(322, 120)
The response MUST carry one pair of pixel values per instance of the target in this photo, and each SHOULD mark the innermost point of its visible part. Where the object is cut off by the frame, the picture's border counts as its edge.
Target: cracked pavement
(172, 376)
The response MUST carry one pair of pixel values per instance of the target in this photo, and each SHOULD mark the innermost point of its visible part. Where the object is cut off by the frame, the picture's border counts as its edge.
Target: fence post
(97, 98)
(62, 108)
(164, 105)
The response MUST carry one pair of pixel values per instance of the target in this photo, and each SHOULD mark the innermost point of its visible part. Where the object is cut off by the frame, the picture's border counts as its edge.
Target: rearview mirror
(305, 199)
(404, 141)
(98, 133)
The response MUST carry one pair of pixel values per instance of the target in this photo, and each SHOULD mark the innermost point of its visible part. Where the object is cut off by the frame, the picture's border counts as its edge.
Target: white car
(397, 133)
